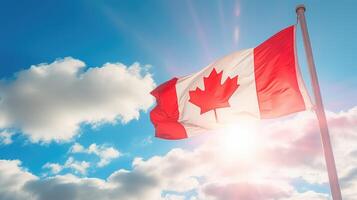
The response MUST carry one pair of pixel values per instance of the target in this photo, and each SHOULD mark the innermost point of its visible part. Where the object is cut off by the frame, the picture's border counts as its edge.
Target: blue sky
(175, 38)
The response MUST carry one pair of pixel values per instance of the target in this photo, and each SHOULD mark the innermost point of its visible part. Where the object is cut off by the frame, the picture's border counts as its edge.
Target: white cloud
(215, 177)
(49, 102)
(77, 148)
(174, 197)
(12, 180)
(244, 190)
(6, 137)
(308, 195)
(54, 167)
(105, 154)
(80, 167)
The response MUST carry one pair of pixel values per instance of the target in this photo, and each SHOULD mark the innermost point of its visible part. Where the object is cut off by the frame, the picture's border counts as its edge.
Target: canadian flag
(262, 82)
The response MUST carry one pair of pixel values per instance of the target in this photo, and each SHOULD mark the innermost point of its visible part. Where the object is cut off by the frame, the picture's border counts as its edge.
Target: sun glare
(239, 142)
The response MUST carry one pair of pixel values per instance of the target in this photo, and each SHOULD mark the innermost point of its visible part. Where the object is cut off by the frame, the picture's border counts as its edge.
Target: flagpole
(319, 109)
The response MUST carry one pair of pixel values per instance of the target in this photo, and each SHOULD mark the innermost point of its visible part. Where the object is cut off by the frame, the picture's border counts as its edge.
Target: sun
(239, 142)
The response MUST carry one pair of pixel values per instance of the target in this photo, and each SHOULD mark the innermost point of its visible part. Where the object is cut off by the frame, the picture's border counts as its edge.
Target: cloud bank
(289, 151)
(49, 102)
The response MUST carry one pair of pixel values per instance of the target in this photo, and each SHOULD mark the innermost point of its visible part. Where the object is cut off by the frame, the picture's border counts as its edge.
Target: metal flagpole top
(300, 7)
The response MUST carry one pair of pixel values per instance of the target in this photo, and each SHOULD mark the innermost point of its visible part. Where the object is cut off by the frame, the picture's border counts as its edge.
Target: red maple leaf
(215, 95)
